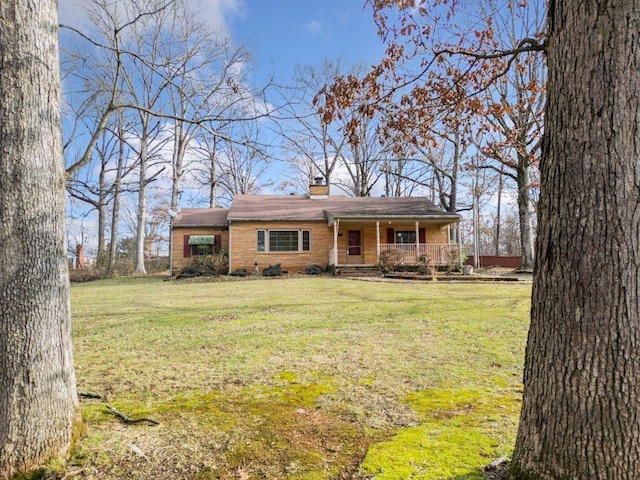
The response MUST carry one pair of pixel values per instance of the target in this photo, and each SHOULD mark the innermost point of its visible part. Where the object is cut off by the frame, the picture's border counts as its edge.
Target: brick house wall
(244, 254)
(178, 259)
(244, 251)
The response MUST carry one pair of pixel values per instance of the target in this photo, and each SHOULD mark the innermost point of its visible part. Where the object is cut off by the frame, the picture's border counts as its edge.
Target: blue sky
(283, 33)
(279, 34)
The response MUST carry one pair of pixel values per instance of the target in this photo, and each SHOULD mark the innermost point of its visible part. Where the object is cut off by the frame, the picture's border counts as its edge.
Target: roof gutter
(198, 225)
(449, 217)
(320, 219)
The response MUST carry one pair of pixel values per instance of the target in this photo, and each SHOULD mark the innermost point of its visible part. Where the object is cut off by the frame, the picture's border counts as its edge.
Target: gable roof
(303, 208)
(202, 217)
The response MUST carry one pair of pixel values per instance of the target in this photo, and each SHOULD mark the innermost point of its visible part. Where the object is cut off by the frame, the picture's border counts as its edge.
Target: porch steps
(358, 271)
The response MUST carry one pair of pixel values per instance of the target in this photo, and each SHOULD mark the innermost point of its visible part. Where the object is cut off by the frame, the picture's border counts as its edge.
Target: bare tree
(363, 157)
(240, 164)
(514, 106)
(317, 146)
(205, 69)
(179, 79)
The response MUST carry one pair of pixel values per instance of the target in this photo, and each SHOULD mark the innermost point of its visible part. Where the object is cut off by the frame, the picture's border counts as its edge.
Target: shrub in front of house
(206, 266)
(272, 271)
(313, 270)
(389, 261)
(239, 272)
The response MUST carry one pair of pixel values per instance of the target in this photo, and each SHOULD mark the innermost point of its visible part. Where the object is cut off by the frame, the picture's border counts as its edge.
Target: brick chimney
(318, 189)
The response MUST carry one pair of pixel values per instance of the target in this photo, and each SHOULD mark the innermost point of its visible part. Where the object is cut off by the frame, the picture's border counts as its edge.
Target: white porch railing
(410, 253)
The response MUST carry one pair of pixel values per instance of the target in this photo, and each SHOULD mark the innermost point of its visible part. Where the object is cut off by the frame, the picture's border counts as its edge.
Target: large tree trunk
(38, 401)
(581, 408)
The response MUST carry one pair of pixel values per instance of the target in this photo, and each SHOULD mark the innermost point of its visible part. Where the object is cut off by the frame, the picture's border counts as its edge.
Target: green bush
(273, 271)
(239, 272)
(313, 270)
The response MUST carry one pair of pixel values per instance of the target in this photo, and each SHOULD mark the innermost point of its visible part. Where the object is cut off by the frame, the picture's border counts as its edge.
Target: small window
(205, 249)
(306, 240)
(204, 244)
(408, 236)
(261, 246)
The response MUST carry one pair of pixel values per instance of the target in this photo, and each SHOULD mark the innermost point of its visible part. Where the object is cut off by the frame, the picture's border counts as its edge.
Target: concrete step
(355, 271)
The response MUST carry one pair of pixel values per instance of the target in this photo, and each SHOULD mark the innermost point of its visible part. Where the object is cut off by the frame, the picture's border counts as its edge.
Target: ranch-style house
(321, 229)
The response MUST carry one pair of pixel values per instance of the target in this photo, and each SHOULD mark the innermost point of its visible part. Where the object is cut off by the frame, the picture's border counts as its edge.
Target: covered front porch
(364, 242)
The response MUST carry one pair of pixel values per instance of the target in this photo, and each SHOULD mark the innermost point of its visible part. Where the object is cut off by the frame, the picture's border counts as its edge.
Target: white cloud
(72, 12)
(216, 12)
(314, 27)
(212, 12)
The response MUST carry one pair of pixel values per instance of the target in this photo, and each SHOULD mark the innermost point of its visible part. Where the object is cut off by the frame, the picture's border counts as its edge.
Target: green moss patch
(462, 431)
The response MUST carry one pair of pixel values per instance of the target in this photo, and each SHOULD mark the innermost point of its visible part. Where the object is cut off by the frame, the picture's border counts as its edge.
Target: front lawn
(301, 378)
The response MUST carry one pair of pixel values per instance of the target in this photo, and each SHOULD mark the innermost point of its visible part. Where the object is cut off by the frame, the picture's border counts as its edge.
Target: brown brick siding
(244, 252)
(177, 245)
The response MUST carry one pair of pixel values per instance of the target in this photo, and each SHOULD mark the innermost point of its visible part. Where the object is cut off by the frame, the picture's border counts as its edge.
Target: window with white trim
(406, 236)
(283, 240)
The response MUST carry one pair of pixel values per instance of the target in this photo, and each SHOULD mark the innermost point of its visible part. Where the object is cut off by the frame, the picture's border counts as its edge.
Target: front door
(354, 247)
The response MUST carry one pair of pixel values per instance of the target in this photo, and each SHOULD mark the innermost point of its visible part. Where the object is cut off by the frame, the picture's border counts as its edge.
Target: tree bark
(115, 212)
(102, 215)
(141, 216)
(581, 408)
(498, 213)
(524, 217)
(212, 170)
(38, 401)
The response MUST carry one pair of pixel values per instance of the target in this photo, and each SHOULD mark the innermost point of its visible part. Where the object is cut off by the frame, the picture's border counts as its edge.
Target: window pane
(201, 250)
(408, 236)
(283, 241)
(260, 241)
(306, 240)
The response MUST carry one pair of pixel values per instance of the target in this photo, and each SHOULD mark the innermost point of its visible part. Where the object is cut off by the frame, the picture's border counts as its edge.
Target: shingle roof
(202, 217)
(300, 208)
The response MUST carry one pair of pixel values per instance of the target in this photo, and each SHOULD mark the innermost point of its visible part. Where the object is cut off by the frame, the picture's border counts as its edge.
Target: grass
(301, 378)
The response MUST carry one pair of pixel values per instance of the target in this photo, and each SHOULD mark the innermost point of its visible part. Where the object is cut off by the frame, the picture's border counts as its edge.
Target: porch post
(459, 241)
(336, 224)
(418, 240)
(378, 240)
